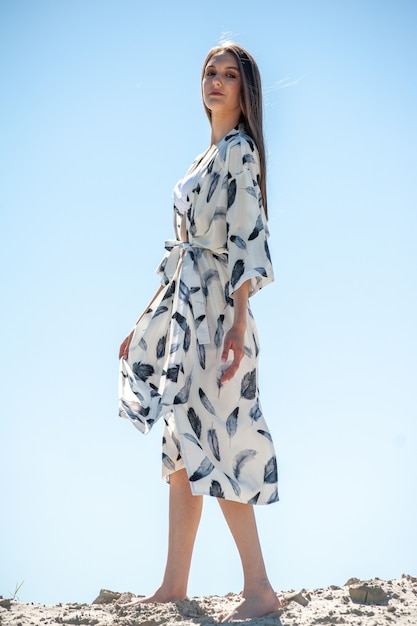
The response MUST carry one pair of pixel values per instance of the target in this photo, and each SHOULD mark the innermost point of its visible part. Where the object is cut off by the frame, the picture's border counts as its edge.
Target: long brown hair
(250, 102)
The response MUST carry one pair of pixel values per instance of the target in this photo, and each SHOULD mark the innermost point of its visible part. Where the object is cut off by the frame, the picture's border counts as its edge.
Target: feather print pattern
(167, 461)
(255, 412)
(261, 271)
(237, 272)
(238, 241)
(170, 290)
(180, 319)
(219, 381)
(241, 459)
(231, 193)
(143, 370)
(271, 473)
(213, 442)
(231, 422)
(176, 442)
(216, 489)
(215, 429)
(219, 334)
(219, 213)
(193, 439)
(206, 402)
(193, 227)
(184, 393)
(251, 190)
(264, 433)
(248, 385)
(160, 347)
(172, 373)
(204, 469)
(228, 299)
(257, 229)
(255, 498)
(187, 338)
(133, 410)
(194, 421)
(213, 184)
(235, 485)
(256, 346)
(141, 399)
(199, 319)
(184, 292)
(160, 310)
(201, 353)
(208, 277)
(248, 158)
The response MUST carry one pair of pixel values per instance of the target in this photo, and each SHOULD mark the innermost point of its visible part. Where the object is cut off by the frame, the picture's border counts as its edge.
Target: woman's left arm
(234, 339)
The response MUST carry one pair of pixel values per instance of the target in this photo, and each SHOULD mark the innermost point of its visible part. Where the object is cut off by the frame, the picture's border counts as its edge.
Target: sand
(360, 603)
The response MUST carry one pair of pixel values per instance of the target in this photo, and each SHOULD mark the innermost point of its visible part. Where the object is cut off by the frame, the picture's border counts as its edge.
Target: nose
(216, 80)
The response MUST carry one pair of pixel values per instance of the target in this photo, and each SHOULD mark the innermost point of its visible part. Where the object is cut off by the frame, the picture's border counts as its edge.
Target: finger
(124, 350)
(226, 348)
(124, 347)
(227, 375)
(230, 371)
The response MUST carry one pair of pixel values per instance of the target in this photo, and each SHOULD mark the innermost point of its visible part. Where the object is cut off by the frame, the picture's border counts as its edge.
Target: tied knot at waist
(171, 244)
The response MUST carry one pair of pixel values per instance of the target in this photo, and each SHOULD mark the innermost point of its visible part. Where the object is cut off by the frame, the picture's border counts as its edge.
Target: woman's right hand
(125, 345)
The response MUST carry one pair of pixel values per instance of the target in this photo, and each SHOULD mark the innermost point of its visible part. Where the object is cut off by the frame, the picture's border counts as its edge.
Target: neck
(220, 126)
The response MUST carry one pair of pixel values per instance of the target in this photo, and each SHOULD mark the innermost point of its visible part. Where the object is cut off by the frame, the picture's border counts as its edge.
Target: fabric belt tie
(178, 265)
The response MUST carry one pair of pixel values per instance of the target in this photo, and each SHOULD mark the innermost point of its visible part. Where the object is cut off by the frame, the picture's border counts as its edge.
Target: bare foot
(160, 596)
(254, 606)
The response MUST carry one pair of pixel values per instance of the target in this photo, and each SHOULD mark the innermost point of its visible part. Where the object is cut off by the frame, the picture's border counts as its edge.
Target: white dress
(173, 370)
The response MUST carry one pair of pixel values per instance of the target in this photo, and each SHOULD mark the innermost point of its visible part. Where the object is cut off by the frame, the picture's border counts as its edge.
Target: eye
(231, 75)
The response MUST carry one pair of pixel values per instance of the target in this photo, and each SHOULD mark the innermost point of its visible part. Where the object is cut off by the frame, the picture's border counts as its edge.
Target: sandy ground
(359, 603)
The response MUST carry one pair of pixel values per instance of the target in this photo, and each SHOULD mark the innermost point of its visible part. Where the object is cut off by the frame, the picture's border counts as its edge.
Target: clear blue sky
(100, 114)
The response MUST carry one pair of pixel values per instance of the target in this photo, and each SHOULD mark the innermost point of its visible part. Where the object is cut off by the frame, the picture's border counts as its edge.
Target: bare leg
(184, 518)
(258, 597)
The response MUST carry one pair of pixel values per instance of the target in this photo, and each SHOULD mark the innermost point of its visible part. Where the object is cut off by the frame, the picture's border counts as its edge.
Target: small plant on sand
(16, 590)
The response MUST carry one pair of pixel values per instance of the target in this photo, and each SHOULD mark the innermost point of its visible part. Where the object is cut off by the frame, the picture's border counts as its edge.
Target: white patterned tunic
(173, 370)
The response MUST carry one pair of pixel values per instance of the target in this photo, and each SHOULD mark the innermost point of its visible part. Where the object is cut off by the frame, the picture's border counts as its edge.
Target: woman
(192, 356)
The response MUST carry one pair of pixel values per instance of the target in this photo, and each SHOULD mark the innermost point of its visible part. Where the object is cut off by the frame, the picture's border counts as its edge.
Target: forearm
(235, 336)
(240, 306)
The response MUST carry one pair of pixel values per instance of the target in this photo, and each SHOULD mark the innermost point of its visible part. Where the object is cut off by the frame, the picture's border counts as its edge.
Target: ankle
(257, 587)
(173, 591)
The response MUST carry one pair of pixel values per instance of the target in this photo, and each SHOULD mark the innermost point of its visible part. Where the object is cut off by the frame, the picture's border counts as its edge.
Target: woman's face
(222, 84)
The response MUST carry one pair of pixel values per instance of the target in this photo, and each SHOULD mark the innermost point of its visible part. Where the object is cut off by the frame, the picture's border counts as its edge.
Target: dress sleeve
(247, 236)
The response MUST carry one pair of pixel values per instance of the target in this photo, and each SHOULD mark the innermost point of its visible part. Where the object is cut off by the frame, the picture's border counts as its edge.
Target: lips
(215, 93)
